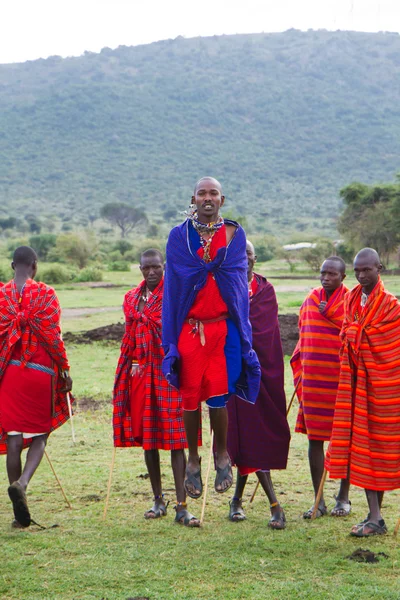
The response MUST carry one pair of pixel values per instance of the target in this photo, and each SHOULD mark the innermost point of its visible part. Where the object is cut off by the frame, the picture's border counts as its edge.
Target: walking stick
(203, 508)
(396, 529)
(287, 412)
(319, 494)
(58, 481)
(71, 416)
(109, 483)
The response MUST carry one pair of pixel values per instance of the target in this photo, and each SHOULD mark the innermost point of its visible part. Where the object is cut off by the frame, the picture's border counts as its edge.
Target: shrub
(89, 274)
(119, 265)
(123, 246)
(5, 274)
(42, 243)
(54, 274)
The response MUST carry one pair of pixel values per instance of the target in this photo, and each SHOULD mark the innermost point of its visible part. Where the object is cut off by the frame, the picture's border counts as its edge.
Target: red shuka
(147, 410)
(30, 333)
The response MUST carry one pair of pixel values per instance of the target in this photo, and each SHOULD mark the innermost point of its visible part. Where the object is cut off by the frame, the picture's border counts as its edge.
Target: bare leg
(316, 460)
(191, 419)
(374, 523)
(343, 506)
(219, 424)
(152, 459)
(33, 459)
(13, 460)
(178, 463)
(374, 508)
(240, 485)
(236, 512)
(278, 520)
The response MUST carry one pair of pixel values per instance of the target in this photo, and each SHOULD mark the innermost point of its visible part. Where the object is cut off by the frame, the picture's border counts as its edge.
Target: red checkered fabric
(39, 323)
(162, 419)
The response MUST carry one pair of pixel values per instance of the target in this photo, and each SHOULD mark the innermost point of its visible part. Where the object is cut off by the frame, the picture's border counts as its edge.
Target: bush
(42, 243)
(123, 246)
(5, 274)
(55, 274)
(119, 265)
(89, 274)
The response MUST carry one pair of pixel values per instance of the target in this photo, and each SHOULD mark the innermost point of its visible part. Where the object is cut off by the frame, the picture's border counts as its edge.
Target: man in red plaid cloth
(147, 410)
(34, 375)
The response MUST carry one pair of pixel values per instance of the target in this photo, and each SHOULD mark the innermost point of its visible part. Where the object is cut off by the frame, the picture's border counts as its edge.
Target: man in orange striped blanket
(365, 443)
(315, 364)
(34, 375)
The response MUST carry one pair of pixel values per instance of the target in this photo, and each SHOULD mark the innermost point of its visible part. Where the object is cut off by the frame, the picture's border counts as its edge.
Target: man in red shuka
(34, 375)
(147, 410)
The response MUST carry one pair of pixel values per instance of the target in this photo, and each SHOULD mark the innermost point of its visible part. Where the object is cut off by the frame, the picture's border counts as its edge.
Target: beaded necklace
(204, 229)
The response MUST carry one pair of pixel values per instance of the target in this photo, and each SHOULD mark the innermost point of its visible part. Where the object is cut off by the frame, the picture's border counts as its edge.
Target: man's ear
(193, 199)
(222, 200)
(344, 276)
(255, 258)
(13, 266)
(380, 267)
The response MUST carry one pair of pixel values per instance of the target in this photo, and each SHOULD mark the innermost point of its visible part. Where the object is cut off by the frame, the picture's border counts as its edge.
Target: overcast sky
(31, 29)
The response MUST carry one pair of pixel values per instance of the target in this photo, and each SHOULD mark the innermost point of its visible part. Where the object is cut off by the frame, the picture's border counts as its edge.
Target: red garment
(155, 420)
(203, 373)
(30, 332)
(253, 287)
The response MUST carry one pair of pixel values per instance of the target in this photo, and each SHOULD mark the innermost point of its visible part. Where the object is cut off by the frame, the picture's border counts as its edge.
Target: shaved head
(212, 179)
(151, 253)
(340, 264)
(367, 267)
(249, 247)
(24, 255)
(368, 254)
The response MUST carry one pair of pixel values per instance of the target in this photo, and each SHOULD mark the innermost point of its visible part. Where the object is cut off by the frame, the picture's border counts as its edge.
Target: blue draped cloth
(185, 274)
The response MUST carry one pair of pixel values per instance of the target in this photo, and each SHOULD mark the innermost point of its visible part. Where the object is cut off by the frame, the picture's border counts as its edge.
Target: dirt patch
(366, 556)
(85, 404)
(287, 323)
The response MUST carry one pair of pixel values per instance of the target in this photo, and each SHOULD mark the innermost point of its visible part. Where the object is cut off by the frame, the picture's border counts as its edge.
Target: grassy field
(126, 557)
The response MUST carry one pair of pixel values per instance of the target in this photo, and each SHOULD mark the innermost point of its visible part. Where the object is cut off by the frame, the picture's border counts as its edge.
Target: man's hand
(67, 384)
(322, 306)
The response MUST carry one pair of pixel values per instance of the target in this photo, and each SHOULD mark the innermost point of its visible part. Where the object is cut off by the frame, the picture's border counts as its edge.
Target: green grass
(86, 558)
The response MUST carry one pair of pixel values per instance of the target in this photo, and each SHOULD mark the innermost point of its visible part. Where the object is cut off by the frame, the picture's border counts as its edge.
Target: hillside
(283, 120)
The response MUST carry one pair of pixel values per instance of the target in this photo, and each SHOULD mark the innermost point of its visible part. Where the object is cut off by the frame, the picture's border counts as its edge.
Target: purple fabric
(259, 435)
(185, 274)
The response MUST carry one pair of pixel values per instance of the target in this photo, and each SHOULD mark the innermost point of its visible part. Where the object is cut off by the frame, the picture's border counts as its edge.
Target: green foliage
(5, 274)
(8, 223)
(316, 256)
(123, 216)
(266, 248)
(42, 244)
(346, 251)
(74, 248)
(91, 273)
(119, 265)
(371, 217)
(54, 274)
(15, 243)
(123, 246)
(283, 119)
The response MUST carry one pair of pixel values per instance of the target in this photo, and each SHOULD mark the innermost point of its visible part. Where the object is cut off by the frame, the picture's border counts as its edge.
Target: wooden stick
(255, 491)
(58, 481)
(109, 483)
(292, 398)
(287, 412)
(203, 508)
(71, 417)
(396, 529)
(319, 495)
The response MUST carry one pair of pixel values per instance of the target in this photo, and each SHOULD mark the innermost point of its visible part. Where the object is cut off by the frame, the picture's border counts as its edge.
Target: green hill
(283, 120)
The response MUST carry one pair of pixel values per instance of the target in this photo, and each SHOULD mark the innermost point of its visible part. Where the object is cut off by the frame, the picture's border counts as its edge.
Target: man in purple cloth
(259, 435)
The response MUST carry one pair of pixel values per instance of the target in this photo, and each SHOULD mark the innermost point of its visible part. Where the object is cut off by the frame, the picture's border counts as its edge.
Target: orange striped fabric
(365, 440)
(315, 362)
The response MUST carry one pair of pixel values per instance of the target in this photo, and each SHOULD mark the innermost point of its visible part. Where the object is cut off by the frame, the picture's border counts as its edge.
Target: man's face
(152, 270)
(367, 271)
(208, 200)
(331, 277)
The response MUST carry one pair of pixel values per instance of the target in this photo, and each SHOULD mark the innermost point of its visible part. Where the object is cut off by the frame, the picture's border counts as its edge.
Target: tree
(34, 223)
(123, 246)
(43, 243)
(74, 249)
(8, 223)
(123, 216)
(315, 256)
